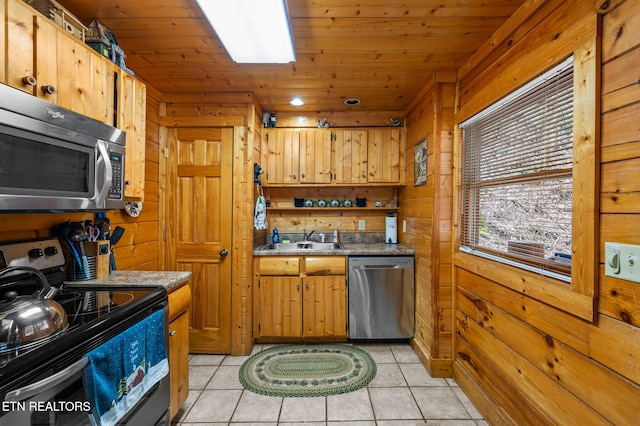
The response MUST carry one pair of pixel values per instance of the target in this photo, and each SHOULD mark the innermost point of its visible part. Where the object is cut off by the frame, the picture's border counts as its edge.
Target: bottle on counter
(275, 238)
(335, 235)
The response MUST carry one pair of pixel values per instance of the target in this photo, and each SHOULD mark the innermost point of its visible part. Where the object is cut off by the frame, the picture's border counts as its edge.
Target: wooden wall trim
(202, 121)
(545, 289)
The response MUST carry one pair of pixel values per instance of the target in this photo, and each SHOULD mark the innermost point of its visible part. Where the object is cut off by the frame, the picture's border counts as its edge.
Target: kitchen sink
(305, 245)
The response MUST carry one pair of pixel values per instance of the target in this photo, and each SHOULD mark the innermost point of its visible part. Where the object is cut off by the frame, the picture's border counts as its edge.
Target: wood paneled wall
(141, 243)
(427, 211)
(138, 248)
(522, 361)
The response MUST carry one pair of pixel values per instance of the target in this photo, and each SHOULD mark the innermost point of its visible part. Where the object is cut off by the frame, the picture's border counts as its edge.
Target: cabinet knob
(224, 253)
(297, 286)
(302, 175)
(29, 80)
(294, 177)
(172, 333)
(48, 89)
(127, 182)
(306, 285)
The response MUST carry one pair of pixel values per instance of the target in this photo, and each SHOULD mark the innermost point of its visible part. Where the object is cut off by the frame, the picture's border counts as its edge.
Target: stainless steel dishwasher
(381, 297)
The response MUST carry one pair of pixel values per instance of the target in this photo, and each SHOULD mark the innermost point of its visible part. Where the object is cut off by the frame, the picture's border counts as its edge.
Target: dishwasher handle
(380, 267)
(386, 262)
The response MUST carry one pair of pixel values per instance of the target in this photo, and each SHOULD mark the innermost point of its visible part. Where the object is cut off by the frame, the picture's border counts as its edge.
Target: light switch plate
(622, 261)
(361, 225)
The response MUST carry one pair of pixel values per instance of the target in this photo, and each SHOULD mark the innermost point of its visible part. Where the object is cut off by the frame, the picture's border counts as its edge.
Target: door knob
(224, 253)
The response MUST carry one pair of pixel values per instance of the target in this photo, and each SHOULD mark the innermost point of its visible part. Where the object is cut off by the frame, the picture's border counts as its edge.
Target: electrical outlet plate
(361, 225)
(622, 261)
(404, 226)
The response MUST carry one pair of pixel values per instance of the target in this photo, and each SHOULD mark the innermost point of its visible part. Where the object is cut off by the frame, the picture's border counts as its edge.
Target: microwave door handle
(43, 385)
(104, 191)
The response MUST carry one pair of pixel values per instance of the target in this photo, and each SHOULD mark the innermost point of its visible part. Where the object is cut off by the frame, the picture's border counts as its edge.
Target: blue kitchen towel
(122, 370)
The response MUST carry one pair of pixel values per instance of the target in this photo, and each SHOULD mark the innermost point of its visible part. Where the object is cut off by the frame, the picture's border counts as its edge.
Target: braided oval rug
(307, 370)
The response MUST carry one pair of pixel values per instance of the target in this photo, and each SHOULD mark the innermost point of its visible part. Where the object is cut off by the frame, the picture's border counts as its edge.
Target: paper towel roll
(391, 236)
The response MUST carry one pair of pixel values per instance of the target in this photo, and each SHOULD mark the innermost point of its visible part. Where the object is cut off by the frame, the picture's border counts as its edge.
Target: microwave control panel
(115, 192)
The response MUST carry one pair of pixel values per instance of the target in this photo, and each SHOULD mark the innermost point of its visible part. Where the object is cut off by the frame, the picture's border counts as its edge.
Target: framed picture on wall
(420, 163)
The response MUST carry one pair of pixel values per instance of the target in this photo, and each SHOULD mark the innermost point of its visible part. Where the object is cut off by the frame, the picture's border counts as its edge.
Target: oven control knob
(35, 253)
(51, 251)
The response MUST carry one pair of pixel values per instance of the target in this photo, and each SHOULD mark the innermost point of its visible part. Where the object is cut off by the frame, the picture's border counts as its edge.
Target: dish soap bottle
(275, 238)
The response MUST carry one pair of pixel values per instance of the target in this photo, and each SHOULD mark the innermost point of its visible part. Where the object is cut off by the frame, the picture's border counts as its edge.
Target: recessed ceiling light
(297, 102)
(352, 101)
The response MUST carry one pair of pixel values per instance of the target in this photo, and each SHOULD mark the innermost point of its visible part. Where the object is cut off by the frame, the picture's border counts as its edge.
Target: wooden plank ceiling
(379, 51)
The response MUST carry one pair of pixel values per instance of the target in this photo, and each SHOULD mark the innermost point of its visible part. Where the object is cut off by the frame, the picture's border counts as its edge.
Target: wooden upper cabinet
(3, 38)
(131, 117)
(20, 71)
(384, 149)
(349, 156)
(281, 163)
(357, 156)
(297, 156)
(315, 156)
(48, 62)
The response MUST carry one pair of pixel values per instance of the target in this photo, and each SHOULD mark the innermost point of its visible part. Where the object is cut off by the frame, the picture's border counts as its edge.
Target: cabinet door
(325, 306)
(68, 73)
(20, 46)
(3, 38)
(315, 156)
(349, 160)
(178, 362)
(282, 157)
(279, 307)
(383, 157)
(131, 117)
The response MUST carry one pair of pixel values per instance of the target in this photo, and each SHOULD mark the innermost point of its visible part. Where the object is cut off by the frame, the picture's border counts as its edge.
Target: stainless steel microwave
(53, 159)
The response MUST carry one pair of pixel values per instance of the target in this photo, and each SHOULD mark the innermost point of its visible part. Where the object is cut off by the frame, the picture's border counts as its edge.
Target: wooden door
(325, 306)
(279, 307)
(383, 158)
(315, 156)
(350, 156)
(199, 226)
(282, 156)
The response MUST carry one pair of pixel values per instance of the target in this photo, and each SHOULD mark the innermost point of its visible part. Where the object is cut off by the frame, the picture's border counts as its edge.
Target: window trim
(579, 296)
(534, 93)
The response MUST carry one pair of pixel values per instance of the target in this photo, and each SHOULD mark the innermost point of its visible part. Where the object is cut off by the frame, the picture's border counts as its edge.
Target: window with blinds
(517, 176)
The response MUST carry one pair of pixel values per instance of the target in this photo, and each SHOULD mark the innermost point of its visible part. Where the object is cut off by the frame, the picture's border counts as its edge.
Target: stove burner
(11, 351)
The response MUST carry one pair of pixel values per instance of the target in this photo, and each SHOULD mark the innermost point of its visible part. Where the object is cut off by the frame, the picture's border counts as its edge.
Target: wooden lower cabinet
(302, 306)
(179, 303)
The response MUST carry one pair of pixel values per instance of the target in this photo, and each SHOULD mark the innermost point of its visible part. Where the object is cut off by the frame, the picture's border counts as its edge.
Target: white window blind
(517, 176)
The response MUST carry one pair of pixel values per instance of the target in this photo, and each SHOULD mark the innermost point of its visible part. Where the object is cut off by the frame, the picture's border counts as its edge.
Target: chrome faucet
(305, 236)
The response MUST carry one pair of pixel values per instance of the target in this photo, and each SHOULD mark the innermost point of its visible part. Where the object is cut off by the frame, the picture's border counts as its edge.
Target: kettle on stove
(27, 318)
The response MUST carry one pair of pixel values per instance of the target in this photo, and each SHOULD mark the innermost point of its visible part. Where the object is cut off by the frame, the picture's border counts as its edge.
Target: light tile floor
(402, 393)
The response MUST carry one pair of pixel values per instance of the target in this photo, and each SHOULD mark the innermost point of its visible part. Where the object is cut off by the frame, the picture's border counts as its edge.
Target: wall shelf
(331, 209)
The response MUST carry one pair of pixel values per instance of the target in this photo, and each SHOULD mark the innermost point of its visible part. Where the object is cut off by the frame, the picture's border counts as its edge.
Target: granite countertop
(167, 279)
(349, 249)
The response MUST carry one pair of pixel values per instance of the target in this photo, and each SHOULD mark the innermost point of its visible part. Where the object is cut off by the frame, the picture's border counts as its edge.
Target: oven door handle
(35, 388)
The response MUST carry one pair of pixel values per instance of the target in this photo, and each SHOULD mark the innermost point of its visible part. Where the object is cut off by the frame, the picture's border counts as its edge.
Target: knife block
(100, 250)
